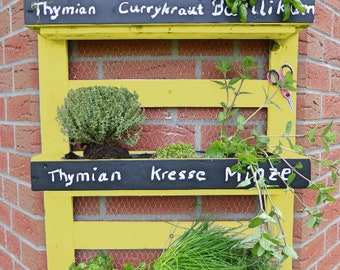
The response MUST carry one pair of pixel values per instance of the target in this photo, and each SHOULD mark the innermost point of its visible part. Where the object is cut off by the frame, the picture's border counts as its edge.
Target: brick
(6, 84)
(150, 205)
(333, 56)
(331, 236)
(331, 259)
(313, 76)
(20, 46)
(159, 113)
(83, 71)
(10, 191)
(321, 18)
(5, 212)
(26, 76)
(3, 162)
(205, 47)
(86, 205)
(308, 106)
(254, 47)
(20, 167)
(228, 204)
(330, 105)
(28, 139)
(197, 113)
(336, 26)
(13, 244)
(17, 15)
(152, 69)
(306, 196)
(28, 227)
(333, 3)
(315, 45)
(153, 136)
(100, 48)
(303, 44)
(209, 133)
(39, 261)
(6, 136)
(31, 201)
(1, 53)
(23, 108)
(6, 261)
(311, 251)
(335, 81)
(2, 237)
(331, 211)
(2, 109)
(4, 22)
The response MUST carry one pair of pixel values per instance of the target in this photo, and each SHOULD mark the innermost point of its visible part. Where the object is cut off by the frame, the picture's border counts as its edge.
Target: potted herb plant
(102, 119)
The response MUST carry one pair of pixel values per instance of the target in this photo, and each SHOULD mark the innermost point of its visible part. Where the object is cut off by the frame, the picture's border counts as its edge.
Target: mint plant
(256, 148)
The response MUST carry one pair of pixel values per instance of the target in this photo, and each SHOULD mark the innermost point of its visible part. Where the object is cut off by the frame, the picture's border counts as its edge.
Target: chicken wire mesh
(166, 59)
(169, 59)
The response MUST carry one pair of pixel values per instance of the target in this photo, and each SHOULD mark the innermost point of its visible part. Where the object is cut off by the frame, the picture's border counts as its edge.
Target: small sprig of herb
(241, 8)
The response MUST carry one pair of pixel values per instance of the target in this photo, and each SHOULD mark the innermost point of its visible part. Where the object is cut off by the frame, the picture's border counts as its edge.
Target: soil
(98, 151)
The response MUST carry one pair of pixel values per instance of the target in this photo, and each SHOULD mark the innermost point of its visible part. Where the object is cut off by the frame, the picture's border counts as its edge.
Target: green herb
(177, 150)
(101, 115)
(208, 247)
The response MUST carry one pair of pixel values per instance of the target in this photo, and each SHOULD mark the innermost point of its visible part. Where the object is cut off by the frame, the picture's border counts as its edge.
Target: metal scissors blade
(288, 96)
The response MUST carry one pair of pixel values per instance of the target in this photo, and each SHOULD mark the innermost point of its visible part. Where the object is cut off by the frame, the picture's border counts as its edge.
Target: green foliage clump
(101, 115)
(204, 247)
(176, 150)
(241, 7)
(100, 262)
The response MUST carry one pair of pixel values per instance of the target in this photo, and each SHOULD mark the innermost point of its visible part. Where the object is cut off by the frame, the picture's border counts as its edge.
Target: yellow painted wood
(284, 51)
(169, 31)
(59, 230)
(63, 234)
(285, 202)
(182, 93)
(134, 234)
(53, 77)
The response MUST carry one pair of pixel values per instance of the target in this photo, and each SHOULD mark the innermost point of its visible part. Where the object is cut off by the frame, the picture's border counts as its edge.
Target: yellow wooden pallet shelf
(63, 234)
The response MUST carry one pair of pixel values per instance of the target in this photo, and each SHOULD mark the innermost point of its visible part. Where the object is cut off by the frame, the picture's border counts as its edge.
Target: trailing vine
(255, 149)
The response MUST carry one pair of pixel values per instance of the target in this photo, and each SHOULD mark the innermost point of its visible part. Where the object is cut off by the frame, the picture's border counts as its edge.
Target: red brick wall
(22, 240)
(22, 244)
(319, 103)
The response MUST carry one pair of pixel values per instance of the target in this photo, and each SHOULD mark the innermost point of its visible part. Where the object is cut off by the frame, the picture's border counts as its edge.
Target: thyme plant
(101, 115)
(255, 149)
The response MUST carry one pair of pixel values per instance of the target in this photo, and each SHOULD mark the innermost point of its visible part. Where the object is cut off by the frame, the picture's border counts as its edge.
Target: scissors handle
(273, 76)
(284, 67)
(286, 93)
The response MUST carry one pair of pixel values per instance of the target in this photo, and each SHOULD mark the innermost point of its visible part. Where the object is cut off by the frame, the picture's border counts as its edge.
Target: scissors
(277, 78)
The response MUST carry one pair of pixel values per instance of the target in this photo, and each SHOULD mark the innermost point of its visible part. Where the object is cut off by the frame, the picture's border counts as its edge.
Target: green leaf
(240, 120)
(334, 176)
(221, 117)
(327, 129)
(255, 222)
(233, 81)
(288, 128)
(244, 183)
(290, 252)
(243, 13)
(311, 135)
(291, 178)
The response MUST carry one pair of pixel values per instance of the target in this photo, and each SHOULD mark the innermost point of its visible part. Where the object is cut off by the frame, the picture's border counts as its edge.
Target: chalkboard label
(154, 11)
(153, 174)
